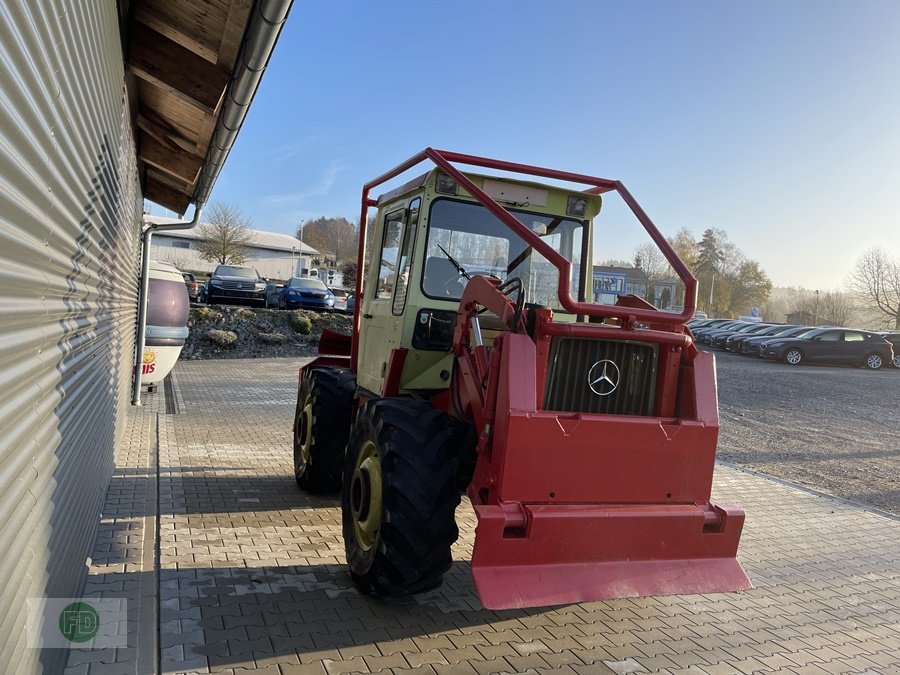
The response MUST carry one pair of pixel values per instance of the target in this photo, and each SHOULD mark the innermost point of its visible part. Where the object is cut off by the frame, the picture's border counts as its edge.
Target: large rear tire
(322, 424)
(400, 496)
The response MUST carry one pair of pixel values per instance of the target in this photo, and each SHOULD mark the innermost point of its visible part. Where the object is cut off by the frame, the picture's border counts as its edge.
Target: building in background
(610, 282)
(272, 254)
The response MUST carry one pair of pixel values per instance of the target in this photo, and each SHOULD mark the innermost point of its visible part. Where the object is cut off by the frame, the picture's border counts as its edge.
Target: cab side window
(406, 252)
(853, 337)
(390, 250)
(833, 336)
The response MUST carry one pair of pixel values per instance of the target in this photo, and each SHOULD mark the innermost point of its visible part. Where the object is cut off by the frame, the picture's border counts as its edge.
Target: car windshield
(232, 271)
(481, 244)
(313, 284)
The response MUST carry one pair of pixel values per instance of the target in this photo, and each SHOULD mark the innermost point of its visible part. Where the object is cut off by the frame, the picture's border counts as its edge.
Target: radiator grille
(576, 362)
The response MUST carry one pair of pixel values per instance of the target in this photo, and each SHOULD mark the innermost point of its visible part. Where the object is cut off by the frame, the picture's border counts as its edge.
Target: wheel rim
(303, 434)
(365, 496)
(793, 357)
(897, 361)
(874, 361)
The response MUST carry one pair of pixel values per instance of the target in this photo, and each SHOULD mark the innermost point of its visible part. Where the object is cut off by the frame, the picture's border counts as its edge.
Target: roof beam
(174, 161)
(166, 196)
(166, 64)
(235, 25)
(152, 124)
(165, 19)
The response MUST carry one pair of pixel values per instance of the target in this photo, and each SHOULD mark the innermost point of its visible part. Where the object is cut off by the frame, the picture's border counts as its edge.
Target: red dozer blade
(577, 553)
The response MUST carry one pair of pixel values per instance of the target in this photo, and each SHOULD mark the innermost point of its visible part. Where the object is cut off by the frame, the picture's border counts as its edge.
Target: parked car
(707, 335)
(894, 339)
(351, 303)
(202, 292)
(193, 286)
(340, 299)
(709, 325)
(700, 323)
(752, 329)
(833, 345)
(307, 294)
(755, 345)
(234, 283)
(273, 294)
(735, 342)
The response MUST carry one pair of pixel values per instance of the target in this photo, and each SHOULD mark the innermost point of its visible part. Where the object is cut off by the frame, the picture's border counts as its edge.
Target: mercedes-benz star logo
(603, 377)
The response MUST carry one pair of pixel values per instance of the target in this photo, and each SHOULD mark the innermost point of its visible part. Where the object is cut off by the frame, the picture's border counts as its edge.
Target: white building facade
(272, 254)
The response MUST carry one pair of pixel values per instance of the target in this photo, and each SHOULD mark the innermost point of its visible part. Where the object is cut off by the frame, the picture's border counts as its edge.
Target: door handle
(368, 316)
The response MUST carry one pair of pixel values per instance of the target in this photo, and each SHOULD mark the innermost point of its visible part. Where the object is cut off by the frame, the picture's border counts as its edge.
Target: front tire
(793, 357)
(322, 423)
(400, 496)
(874, 361)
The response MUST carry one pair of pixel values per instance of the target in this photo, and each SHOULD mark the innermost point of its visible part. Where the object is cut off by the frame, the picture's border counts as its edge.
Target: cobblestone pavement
(251, 573)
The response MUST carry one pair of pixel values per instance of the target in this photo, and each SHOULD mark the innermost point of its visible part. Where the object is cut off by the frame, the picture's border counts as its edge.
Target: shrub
(301, 324)
(223, 338)
(205, 314)
(271, 338)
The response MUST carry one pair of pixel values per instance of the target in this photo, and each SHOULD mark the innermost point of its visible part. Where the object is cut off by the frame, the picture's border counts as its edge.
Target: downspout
(262, 33)
(141, 338)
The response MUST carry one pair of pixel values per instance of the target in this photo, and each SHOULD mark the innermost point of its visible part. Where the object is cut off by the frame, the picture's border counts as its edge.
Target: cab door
(381, 321)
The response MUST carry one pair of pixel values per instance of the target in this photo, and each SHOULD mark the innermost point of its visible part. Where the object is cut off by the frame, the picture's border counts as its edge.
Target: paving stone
(252, 573)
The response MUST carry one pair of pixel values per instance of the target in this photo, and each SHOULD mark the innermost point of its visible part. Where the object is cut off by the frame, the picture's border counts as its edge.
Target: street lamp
(293, 260)
(816, 314)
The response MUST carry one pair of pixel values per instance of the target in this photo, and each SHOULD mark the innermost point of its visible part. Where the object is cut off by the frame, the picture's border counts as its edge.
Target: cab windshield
(476, 240)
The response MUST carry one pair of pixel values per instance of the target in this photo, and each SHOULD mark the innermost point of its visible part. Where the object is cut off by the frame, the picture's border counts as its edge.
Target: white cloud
(283, 152)
(319, 189)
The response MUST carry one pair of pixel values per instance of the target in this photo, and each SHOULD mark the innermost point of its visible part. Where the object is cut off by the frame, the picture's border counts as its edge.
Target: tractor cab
(430, 238)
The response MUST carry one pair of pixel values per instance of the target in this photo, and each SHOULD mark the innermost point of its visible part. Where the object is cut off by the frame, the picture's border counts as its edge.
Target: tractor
(583, 433)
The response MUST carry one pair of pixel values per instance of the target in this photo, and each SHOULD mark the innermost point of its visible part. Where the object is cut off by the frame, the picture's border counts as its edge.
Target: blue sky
(776, 121)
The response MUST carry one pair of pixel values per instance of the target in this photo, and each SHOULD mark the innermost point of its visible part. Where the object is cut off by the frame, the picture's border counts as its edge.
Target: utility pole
(816, 314)
(712, 285)
(300, 232)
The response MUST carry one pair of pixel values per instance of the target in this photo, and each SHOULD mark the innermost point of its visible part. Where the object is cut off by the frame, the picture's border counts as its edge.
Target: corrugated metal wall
(69, 223)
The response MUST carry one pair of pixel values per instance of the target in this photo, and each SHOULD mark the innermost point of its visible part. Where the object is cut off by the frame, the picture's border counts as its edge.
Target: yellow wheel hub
(365, 496)
(305, 435)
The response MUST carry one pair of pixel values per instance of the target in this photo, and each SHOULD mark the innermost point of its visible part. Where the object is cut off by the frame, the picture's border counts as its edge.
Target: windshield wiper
(459, 268)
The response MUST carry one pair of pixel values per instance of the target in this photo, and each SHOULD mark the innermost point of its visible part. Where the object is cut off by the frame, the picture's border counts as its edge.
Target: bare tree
(334, 237)
(348, 270)
(225, 235)
(649, 258)
(836, 308)
(875, 281)
(685, 247)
